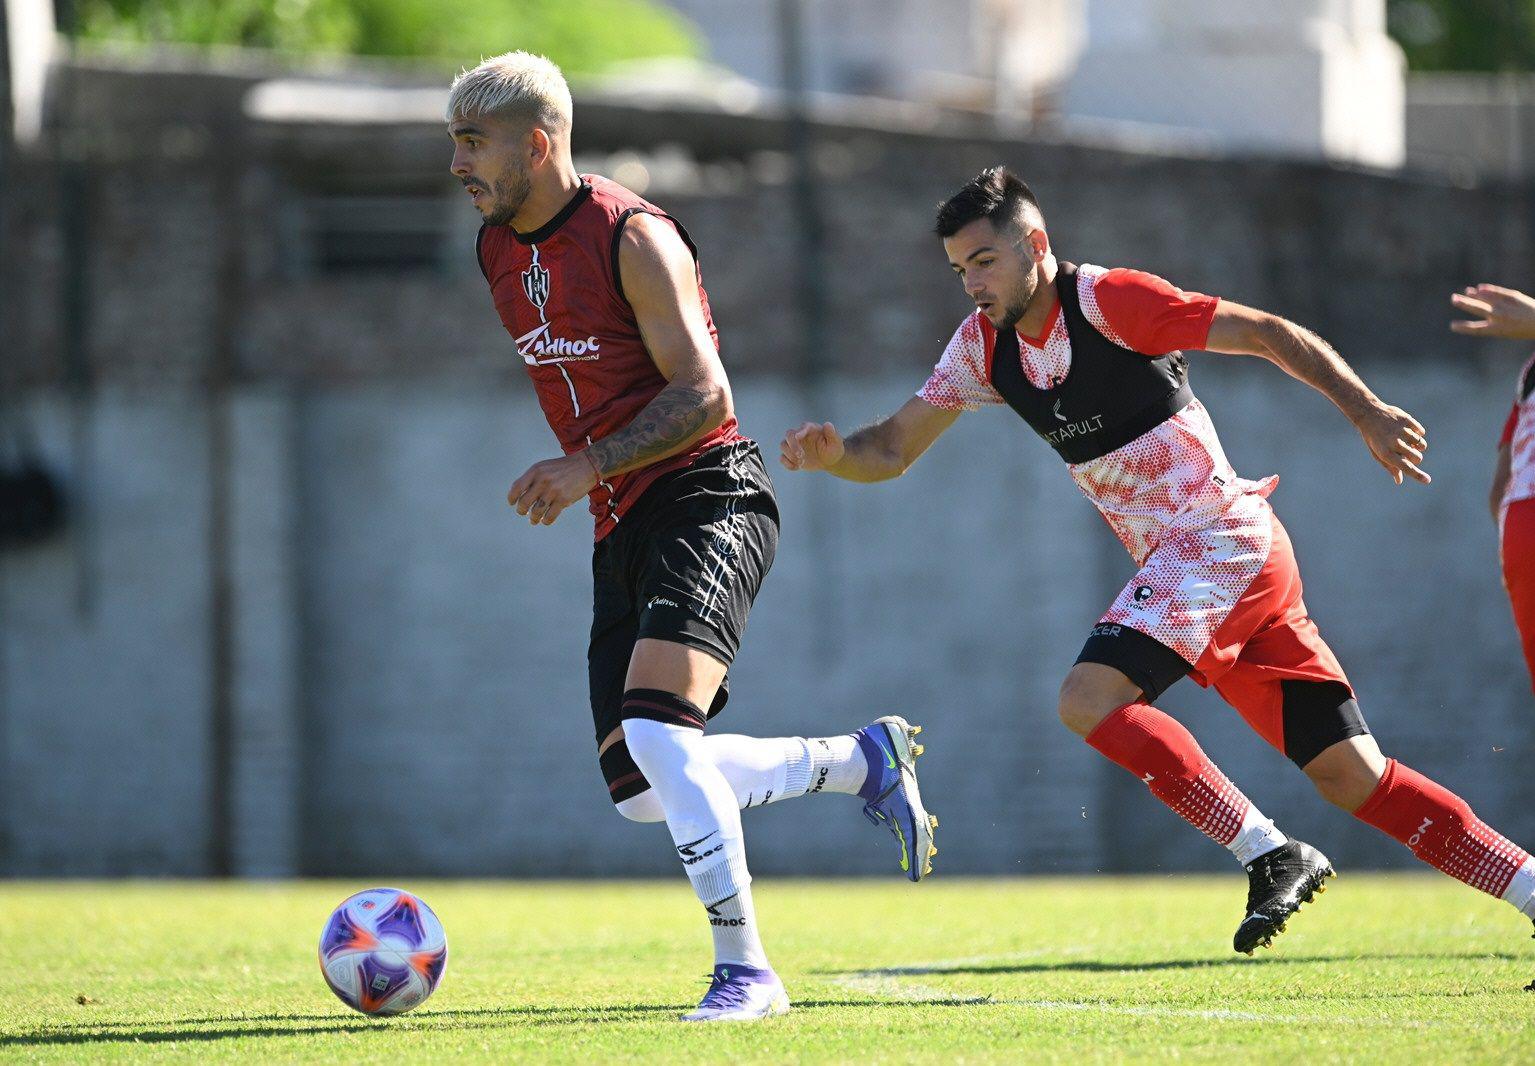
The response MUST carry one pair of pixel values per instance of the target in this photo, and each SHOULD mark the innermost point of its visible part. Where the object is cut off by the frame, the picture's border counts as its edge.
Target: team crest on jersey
(535, 283)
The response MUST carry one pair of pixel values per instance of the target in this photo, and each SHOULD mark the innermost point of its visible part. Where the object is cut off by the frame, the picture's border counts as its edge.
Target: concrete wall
(1472, 126)
(410, 683)
(407, 693)
(1366, 259)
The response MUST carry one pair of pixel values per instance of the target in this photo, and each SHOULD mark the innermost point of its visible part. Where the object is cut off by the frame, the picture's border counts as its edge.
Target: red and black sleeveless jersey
(559, 294)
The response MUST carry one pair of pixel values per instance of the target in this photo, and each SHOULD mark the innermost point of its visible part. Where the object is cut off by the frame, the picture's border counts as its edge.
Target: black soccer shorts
(684, 564)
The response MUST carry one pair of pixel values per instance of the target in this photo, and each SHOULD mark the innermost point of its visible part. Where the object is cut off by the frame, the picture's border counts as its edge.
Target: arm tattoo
(666, 425)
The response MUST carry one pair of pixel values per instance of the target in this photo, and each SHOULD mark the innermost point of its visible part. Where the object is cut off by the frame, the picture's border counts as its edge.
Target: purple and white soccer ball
(383, 951)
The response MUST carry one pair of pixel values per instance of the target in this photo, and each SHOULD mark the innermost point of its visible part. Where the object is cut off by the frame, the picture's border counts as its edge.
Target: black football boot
(1277, 884)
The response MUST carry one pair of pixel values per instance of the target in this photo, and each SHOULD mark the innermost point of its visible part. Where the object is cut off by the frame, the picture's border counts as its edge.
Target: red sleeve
(1151, 315)
(1508, 428)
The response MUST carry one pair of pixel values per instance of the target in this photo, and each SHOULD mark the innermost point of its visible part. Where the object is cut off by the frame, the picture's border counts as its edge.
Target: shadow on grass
(280, 1025)
(1108, 966)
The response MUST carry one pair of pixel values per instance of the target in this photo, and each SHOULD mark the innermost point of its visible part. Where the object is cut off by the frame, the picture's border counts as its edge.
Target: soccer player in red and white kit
(1500, 312)
(1091, 358)
(602, 292)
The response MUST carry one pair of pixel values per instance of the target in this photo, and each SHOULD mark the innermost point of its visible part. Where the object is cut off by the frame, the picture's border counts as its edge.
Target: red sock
(1441, 829)
(1159, 751)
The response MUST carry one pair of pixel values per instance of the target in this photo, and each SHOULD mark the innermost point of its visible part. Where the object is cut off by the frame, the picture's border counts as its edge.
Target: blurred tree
(582, 37)
(1465, 34)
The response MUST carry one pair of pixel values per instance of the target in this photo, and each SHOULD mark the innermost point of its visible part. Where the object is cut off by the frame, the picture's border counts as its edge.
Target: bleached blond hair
(514, 85)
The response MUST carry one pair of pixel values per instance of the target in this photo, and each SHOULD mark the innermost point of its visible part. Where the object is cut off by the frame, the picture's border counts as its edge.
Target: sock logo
(689, 855)
(717, 917)
(820, 781)
(1412, 841)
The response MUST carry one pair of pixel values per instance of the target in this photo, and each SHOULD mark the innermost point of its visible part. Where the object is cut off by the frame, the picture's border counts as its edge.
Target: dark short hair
(996, 193)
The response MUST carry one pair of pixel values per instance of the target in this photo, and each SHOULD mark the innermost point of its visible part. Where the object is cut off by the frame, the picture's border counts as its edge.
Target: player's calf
(1441, 829)
(877, 763)
(1282, 873)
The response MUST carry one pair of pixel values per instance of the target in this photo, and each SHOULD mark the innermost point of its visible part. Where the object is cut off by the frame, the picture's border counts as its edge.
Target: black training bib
(1110, 395)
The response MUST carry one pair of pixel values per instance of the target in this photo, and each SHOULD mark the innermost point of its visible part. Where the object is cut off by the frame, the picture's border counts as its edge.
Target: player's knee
(627, 788)
(1082, 705)
(645, 807)
(1346, 774)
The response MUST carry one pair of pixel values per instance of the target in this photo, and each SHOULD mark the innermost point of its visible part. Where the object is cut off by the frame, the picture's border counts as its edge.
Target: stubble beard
(508, 193)
(1020, 303)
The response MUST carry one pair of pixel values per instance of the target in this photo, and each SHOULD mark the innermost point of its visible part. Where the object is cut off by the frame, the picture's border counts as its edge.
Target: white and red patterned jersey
(1173, 479)
(1519, 436)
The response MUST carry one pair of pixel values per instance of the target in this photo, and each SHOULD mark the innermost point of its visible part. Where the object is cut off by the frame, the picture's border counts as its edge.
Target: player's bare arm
(661, 283)
(1494, 311)
(876, 452)
(1394, 437)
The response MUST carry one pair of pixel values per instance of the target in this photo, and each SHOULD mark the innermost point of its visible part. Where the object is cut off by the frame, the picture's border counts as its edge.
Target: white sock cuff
(1258, 836)
(797, 766)
(724, 878)
(1521, 890)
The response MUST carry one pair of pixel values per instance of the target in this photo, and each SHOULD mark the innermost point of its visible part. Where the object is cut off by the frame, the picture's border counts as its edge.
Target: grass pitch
(1095, 969)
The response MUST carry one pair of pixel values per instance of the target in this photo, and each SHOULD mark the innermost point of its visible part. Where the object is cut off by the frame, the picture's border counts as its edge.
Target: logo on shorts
(662, 601)
(1143, 594)
(1106, 630)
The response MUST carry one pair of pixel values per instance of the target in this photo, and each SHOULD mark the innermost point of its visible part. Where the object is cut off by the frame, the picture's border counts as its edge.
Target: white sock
(705, 824)
(837, 764)
(765, 770)
(1258, 836)
(1521, 890)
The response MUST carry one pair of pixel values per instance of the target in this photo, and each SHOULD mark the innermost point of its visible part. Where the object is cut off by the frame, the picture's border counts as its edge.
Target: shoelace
(724, 993)
(1265, 871)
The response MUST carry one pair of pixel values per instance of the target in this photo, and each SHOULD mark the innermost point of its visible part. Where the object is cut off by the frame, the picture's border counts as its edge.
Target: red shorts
(1268, 643)
(1251, 639)
(1519, 572)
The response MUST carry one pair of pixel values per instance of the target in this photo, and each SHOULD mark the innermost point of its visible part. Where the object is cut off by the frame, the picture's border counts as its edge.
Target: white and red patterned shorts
(1223, 605)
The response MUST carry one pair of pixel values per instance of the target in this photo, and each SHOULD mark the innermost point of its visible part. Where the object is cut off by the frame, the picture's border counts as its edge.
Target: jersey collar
(547, 230)
(1044, 334)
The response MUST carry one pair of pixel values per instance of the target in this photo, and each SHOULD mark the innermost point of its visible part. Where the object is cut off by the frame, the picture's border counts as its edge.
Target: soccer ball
(383, 951)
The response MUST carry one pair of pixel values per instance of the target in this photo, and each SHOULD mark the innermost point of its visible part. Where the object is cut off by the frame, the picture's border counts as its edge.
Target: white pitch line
(886, 982)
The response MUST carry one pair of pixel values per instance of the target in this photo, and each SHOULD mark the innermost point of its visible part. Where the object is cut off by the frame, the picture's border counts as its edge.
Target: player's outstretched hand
(813, 446)
(547, 488)
(1495, 312)
(1397, 440)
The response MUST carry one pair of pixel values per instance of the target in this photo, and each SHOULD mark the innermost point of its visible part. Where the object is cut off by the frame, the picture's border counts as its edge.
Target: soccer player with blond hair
(602, 293)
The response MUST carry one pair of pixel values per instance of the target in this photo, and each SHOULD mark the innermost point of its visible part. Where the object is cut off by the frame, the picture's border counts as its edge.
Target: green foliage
(1465, 34)
(582, 37)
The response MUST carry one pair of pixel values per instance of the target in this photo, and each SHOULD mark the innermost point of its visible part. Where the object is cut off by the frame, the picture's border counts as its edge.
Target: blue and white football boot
(740, 994)
(890, 792)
